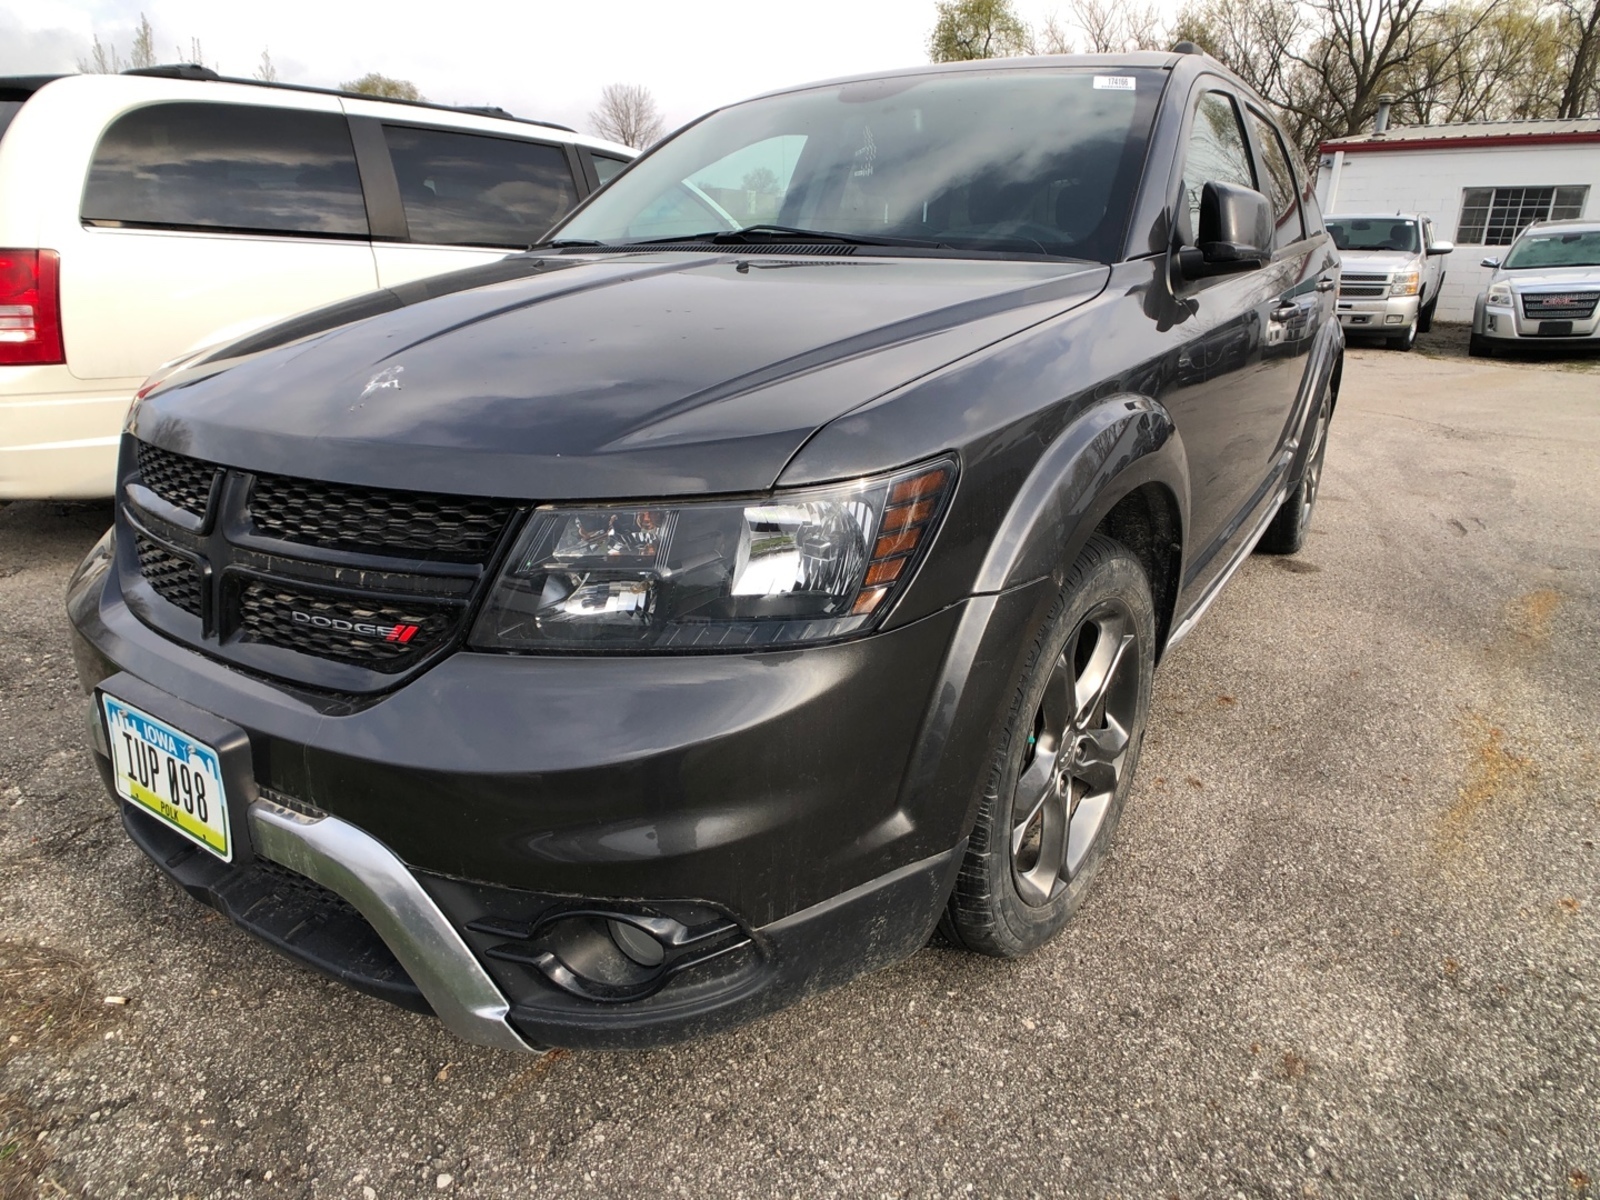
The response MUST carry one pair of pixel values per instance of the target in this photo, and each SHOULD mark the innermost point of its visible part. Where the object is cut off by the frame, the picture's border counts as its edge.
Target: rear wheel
(1064, 762)
(1287, 533)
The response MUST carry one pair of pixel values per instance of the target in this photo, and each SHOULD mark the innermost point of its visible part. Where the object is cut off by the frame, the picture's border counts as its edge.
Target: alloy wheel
(1078, 753)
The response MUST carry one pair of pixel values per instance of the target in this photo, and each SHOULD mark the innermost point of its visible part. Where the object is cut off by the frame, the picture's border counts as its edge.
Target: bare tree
(628, 114)
(143, 53)
(1111, 26)
(267, 71)
(1580, 37)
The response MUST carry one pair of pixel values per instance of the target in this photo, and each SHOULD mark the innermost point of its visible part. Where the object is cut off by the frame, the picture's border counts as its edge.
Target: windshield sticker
(1114, 83)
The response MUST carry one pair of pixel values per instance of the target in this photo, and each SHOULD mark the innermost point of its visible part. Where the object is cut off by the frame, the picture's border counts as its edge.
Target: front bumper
(469, 814)
(1385, 315)
(1500, 322)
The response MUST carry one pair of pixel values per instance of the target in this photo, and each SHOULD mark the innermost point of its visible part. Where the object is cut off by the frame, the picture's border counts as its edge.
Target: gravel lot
(1347, 946)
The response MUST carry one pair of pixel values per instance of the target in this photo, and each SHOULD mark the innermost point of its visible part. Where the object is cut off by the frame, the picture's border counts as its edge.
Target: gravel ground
(1347, 945)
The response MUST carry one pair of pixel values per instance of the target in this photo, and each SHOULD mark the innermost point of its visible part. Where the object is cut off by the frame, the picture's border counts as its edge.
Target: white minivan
(145, 214)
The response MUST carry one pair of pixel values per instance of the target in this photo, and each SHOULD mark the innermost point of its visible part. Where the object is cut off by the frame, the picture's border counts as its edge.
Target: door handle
(1325, 284)
(1285, 308)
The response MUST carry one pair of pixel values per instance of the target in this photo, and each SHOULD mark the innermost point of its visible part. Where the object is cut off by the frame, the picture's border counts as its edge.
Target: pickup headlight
(1405, 283)
(1500, 293)
(797, 566)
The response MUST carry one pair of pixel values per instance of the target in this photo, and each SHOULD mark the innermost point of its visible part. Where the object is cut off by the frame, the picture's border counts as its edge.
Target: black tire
(1406, 338)
(1425, 317)
(1479, 346)
(1287, 533)
(1102, 622)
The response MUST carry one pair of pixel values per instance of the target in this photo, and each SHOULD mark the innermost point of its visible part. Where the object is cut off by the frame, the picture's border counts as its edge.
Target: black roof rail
(206, 74)
(20, 87)
(175, 71)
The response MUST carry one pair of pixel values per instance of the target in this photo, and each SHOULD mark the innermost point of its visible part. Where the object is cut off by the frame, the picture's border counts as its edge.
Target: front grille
(1363, 287)
(1559, 306)
(374, 520)
(181, 481)
(175, 579)
(382, 636)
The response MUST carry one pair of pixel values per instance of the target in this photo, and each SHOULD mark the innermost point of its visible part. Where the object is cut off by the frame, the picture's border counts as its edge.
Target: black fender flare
(1122, 442)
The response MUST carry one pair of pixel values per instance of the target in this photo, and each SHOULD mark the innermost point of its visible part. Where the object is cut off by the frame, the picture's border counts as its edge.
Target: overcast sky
(537, 58)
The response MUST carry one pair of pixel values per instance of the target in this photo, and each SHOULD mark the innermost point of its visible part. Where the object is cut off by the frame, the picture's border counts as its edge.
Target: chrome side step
(1186, 626)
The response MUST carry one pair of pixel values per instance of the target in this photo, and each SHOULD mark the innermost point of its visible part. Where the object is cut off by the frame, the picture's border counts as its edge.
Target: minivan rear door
(441, 198)
(206, 219)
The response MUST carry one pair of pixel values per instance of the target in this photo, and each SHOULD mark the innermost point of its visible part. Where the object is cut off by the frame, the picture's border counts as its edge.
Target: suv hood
(1376, 262)
(562, 378)
(1587, 278)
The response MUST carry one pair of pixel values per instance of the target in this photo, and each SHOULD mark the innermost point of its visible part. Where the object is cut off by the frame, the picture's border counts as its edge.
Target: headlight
(797, 566)
(1500, 293)
(1405, 283)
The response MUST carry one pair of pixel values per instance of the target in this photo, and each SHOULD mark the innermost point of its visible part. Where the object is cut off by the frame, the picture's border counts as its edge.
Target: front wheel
(1064, 761)
(1405, 339)
(1479, 346)
(1425, 317)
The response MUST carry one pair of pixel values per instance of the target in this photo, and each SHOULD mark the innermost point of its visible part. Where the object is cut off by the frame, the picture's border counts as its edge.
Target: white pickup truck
(1393, 270)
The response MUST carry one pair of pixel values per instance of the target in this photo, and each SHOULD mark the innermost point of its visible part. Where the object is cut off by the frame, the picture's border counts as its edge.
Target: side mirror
(1492, 263)
(1441, 248)
(1235, 233)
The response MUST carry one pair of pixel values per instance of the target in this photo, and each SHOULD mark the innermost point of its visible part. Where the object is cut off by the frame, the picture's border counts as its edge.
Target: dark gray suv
(623, 640)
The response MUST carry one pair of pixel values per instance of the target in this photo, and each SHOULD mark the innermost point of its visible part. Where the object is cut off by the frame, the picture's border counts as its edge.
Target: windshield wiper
(755, 235)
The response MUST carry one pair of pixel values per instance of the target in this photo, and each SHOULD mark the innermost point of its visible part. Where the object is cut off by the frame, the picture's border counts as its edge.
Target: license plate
(168, 774)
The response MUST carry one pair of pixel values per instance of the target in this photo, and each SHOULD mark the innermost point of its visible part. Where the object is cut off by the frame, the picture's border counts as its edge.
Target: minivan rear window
(8, 109)
(467, 189)
(228, 166)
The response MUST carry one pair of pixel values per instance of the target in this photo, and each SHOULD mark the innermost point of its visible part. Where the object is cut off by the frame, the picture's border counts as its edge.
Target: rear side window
(228, 166)
(1280, 188)
(466, 189)
(607, 168)
(10, 108)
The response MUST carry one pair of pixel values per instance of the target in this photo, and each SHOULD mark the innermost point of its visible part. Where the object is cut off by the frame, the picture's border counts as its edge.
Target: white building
(1482, 183)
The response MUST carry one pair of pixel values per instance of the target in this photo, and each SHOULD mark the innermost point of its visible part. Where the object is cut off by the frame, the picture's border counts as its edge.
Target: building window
(1494, 216)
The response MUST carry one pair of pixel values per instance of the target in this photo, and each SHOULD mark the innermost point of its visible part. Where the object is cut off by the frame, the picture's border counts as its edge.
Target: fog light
(1491, 321)
(1395, 319)
(637, 944)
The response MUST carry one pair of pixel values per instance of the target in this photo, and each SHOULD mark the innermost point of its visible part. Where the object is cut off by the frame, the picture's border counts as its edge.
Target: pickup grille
(1363, 287)
(1559, 306)
(350, 619)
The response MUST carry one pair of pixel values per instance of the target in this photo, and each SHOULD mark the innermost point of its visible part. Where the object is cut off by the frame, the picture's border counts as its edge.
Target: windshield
(1373, 233)
(1024, 161)
(1555, 250)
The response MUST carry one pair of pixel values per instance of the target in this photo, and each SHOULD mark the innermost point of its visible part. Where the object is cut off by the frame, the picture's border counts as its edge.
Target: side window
(607, 168)
(1279, 180)
(468, 189)
(1216, 151)
(227, 166)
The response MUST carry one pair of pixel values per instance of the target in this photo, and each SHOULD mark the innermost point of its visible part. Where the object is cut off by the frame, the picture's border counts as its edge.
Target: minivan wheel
(1064, 760)
(1287, 533)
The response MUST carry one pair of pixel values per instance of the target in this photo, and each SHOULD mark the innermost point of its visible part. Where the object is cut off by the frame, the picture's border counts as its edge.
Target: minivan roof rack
(197, 72)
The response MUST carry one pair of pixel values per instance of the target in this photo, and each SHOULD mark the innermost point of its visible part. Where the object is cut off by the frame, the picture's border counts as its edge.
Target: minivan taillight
(30, 308)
